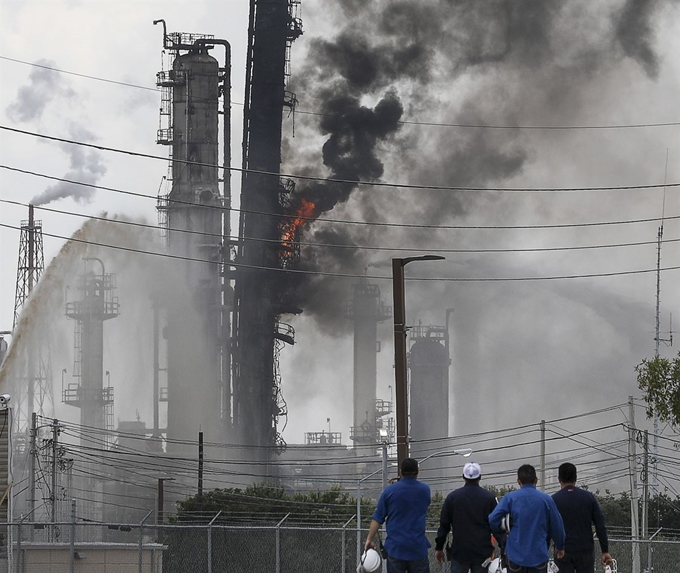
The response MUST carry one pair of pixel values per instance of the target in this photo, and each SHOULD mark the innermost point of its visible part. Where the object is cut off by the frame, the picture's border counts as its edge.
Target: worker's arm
(372, 530)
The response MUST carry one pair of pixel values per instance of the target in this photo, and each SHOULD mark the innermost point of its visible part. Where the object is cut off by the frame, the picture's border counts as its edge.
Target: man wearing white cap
(466, 514)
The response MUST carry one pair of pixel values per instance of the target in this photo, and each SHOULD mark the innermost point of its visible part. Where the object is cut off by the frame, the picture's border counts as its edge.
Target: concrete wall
(90, 558)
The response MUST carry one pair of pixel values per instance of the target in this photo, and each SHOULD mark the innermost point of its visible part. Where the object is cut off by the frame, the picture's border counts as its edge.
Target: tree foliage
(268, 504)
(664, 512)
(263, 504)
(659, 382)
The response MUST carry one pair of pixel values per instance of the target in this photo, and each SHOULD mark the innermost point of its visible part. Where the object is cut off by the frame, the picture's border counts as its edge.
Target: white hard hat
(370, 561)
(506, 523)
(495, 566)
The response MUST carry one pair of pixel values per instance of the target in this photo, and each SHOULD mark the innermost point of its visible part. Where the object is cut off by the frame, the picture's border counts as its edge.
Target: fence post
(72, 549)
(141, 539)
(210, 541)
(650, 550)
(344, 544)
(278, 543)
(18, 559)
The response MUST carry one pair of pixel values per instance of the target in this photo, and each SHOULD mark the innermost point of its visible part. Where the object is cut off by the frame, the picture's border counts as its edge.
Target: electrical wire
(403, 122)
(336, 245)
(142, 462)
(353, 183)
(351, 276)
(94, 454)
(342, 221)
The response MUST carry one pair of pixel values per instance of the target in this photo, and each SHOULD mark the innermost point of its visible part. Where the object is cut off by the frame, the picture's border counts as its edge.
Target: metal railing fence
(147, 548)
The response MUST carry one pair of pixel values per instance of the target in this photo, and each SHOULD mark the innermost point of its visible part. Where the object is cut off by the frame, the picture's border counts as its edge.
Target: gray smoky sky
(456, 62)
(44, 87)
(86, 166)
(635, 32)
(385, 79)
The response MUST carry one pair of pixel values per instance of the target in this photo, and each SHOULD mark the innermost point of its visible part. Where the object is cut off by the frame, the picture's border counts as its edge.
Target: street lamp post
(465, 452)
(400, 365)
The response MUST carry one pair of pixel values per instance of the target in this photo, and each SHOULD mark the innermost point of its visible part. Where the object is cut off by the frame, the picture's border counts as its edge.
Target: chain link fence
(147, 548)
(657, 556)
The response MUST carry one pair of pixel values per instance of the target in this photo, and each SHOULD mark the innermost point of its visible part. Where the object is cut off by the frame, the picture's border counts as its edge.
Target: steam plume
(44, 86)
(86, 166)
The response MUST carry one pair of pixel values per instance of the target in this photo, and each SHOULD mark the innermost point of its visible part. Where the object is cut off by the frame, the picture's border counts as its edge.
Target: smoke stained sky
(570, 344)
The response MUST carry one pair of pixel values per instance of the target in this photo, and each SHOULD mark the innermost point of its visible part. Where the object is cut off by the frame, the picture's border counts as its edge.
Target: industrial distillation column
(365, 310)
(258, 288)
(196, 389)
(429, 387)
(97, 303)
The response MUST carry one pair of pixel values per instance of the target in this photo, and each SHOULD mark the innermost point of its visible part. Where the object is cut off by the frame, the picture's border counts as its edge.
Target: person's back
(465, 513)
(534, 520)
(404, 506)
(580, 511)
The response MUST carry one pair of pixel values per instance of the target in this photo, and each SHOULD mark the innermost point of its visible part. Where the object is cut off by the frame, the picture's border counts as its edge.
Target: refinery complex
(211, 319)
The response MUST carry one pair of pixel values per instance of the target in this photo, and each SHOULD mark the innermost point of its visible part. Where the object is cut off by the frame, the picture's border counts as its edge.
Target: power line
(342, 221)
(347, 181)
(99, 79)
(352, 276)
(336, 245)
(404, 122)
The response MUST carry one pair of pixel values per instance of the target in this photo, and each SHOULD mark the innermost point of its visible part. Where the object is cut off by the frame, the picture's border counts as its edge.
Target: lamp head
(407, 260)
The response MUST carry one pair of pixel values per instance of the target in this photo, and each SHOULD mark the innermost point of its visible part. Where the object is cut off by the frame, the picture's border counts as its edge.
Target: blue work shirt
(404, 505)
(535, 520)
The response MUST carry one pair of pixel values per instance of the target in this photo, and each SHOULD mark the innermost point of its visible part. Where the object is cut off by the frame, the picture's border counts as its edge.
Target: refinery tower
(195, 380)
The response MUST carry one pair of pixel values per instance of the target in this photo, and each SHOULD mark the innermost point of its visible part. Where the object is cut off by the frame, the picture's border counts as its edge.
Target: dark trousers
(577, 562)
(465, 566)
(514, 568)
(403, 566)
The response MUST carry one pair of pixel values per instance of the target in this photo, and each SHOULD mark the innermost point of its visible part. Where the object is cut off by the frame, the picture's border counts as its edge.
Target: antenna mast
(657, 335)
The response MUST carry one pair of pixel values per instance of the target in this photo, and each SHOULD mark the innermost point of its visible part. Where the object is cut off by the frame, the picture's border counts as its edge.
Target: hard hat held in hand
(370, 562)
(496, 567)
(506, 523)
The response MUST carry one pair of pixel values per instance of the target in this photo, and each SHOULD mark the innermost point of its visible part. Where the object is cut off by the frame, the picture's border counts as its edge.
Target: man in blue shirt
(404, 505)
(534, 521)
(580, 511)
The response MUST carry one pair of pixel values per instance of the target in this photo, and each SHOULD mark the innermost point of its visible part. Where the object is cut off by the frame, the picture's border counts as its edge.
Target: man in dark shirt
(466, 514)
(580, 511)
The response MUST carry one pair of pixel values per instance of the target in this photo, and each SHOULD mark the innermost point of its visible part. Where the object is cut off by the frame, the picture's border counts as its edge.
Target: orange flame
(290, 228)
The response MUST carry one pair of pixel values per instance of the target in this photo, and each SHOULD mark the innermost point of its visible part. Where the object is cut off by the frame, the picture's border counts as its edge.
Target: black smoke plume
(458, 62)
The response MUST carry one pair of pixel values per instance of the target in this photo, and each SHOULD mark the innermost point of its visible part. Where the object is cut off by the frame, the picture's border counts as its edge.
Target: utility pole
(161, 501)
(55, 448)
(645, 486)
(200, 464)
(156, 366)
(32, 452)
(384, 464)
(632, 470)
(543, 455)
